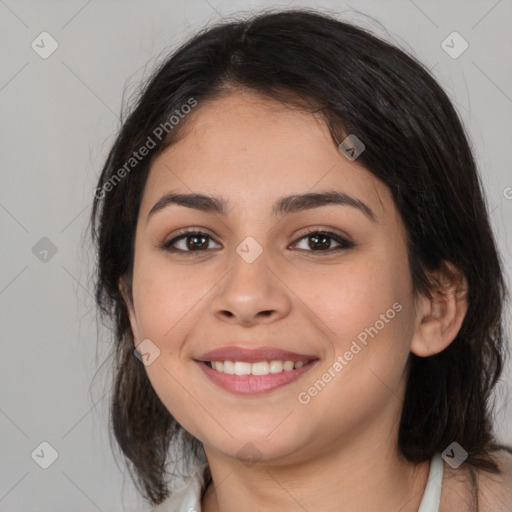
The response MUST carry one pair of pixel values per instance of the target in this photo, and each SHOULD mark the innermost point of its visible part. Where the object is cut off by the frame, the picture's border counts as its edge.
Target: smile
(254, 378)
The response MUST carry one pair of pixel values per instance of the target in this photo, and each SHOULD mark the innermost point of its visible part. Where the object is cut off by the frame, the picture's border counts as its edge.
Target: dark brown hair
(415, 144)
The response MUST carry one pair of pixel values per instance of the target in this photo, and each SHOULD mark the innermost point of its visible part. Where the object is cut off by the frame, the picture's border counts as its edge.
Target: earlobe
(439, 319)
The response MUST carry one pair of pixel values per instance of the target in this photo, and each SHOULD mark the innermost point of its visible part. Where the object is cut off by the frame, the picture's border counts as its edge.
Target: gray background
(59, 117)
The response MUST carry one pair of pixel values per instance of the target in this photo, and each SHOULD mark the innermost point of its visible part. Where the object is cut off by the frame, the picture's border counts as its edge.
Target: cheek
(167, 297)
(167, 302)
(351, 297)
(380, 324)
(366, 310)
(370, 349)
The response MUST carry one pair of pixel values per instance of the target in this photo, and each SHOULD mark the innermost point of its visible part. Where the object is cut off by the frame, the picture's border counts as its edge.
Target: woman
(307, 297)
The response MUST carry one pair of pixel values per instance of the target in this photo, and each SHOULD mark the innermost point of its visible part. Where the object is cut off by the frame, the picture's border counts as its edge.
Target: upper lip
(252, 355)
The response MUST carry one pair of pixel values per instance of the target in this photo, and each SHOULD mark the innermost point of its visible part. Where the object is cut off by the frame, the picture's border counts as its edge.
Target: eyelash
(344, 243)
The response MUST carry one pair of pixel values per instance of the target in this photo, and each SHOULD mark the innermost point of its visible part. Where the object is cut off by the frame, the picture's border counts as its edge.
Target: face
(326, 282)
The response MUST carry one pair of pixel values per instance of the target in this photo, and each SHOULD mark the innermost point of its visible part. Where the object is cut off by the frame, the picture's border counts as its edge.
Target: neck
(358, 477)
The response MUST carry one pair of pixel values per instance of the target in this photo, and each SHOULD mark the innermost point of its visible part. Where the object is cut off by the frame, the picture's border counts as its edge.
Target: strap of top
(432, 495)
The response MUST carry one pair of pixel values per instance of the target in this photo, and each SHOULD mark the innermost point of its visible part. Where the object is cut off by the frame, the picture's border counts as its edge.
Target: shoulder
(494, 490)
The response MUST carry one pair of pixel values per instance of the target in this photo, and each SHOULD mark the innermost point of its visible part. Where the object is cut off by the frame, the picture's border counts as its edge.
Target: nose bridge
(251, 263)
(251, 290)
(250, 269)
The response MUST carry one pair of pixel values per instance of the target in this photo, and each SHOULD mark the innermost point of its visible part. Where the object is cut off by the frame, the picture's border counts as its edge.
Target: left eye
(197, 241)
(321, 240)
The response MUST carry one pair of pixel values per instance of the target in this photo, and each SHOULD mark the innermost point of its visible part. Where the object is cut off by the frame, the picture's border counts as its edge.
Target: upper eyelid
(301, 234)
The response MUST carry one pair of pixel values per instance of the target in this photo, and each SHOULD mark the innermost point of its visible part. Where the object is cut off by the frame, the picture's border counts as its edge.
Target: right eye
(191, 241)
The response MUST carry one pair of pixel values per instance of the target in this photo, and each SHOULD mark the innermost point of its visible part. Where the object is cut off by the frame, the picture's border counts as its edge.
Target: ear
(126, 295)
(439, 319)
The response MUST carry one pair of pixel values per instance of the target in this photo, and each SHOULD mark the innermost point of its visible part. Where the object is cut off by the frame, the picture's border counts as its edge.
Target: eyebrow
(283, 206)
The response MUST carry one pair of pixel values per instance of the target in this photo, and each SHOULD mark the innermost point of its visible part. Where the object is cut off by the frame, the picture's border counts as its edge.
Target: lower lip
(254, 384)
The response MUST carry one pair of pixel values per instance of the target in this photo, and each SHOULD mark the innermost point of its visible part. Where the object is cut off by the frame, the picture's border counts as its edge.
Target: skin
(339, 452)
(494, 491)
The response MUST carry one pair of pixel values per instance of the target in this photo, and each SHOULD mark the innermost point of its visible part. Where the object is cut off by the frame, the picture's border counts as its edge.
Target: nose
(251, 293)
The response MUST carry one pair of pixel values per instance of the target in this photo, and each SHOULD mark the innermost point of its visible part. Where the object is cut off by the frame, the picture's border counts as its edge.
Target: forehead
(251, 150)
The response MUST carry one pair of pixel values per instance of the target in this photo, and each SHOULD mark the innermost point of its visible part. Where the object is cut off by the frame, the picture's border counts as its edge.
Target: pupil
(324, 245)
(193, 245)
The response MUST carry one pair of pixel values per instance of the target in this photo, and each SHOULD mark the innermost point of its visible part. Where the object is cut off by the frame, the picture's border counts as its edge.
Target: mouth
(254, 371)
(257, 368)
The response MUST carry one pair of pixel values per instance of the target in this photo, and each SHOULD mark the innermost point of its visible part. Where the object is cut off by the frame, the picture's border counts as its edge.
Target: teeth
(219, 365)
(242, 368)
(229, 367)
(276, 366)
(288, 365)
(259, 368)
